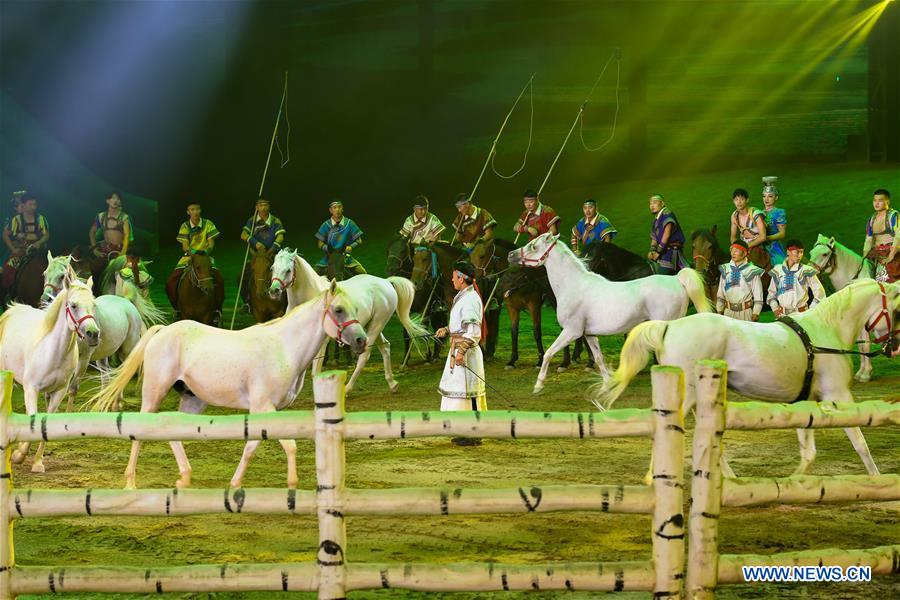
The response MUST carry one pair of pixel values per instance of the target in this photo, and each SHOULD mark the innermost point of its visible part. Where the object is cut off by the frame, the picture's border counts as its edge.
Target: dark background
(172, 102)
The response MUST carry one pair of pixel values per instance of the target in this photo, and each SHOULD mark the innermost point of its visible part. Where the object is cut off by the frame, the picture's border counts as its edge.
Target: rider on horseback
(265, 234)
(26, 234)
(472, 224)
(740, 293)
(749, 224)
(666, 238)
(422, 228)
(537, 219)
(114, 227)
(791, 283)
(592, 227)
(16, 204)
(883, 235)
(338, 234)
(196, 236)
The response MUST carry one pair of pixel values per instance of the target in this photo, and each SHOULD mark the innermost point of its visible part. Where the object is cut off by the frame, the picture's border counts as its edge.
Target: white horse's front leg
(184, 465)
(319, 358)
(52, 405)
(131, 469)
(593, 343)
(249, 452)
(864, 374)
(862, 448)
(566, 336)
(807, 439)
(384, 346)
(360, 363)
(31, 400)
(290, 449)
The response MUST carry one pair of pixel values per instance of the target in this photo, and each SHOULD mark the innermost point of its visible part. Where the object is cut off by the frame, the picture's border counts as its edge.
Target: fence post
(328, 392)
(706, 485)
(7, 554)
(668, 481)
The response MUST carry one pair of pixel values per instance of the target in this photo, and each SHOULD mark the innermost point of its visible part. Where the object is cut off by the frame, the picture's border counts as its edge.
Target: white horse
(768, 361)
(117, 318)
(40, 347)
(844, 266)
(590, 305)
(259, 369)
(376, 299)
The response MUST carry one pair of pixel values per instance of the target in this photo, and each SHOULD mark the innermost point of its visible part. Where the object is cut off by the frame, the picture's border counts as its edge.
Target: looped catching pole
(262, 184)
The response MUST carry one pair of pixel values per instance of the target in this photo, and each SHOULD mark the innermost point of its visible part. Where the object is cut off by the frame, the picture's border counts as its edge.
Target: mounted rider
(666, 238)
(196, 236)
(462, 385)
(740, 294)
(537, 219)
(792, 282)
(263, 232)
(111, 231)
(26, 236)
(883, 235)
(339, 234)
(15, 204)
(472, 224)
(749, 225)
(592, 227)
(422, 227)
(776, 222)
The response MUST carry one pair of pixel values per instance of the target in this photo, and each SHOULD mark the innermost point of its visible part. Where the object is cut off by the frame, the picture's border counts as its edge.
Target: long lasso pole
(262, 184)
(487, 161)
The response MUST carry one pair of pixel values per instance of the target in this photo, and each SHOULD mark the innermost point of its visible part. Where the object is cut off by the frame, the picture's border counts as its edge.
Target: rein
(341, 326)
(537, 261)
(77, 322)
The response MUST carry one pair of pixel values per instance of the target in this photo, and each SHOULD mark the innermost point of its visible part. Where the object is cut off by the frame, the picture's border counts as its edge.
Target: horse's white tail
(103, 400)
(643, 339)
(406, 292)
(696, 291)
(150, 313)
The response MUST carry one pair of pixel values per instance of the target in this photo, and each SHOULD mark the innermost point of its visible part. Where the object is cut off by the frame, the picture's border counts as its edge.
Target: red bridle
(885, 314)
(286, 284)
(341, 326)
(537, 261)
(77, 322)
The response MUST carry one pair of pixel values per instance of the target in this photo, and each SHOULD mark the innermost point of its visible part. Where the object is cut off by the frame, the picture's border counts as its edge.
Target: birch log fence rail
(333, 575)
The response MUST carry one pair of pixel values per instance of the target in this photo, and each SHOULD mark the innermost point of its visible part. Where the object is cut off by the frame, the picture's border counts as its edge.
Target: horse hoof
(130, 485)
(862, 378)
(393, 387)
(183, 482)
(17, 457)
(509, 367)
(37, 468)
(561, 369)
(235, 485)
(538, 389)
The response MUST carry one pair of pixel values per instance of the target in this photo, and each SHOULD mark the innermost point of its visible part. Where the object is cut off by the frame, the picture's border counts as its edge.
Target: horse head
(822, 255)
(398, 256)
(481, 256)
(260, 272)
(707, 253)
(335, 269)
(535, 252)
(56, 276)
(284, 273)
(340, 322)
(423, 270)
(80, 310)
(200, 270)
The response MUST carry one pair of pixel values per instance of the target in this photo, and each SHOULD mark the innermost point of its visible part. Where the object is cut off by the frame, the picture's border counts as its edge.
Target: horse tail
(693, 284)
(150, 313)
(406, 292)
(103, 400)
(643, 339)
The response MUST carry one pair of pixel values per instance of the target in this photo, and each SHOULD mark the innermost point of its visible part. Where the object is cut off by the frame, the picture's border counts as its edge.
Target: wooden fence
(333, 574)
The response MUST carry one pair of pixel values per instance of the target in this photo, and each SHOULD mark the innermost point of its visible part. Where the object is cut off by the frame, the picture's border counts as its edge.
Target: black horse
(399, 259)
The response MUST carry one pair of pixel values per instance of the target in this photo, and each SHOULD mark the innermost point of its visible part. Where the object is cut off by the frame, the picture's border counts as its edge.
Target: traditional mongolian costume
(462, 384)
(471, 227)
(748, 229)
(336, 237)
(670, 259)
(198, 238)
(774, 217)
(740, 292)
(790, 286)
(23, 233)
(538, 221)
(888, 234)
(590, 230)
(110, 232)
(422, 231)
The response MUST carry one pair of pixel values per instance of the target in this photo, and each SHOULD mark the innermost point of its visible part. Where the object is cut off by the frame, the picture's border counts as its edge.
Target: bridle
(537, 261)
(197, 280)
(340, 325)
(77, 322)
(884, 313)
(830, 264)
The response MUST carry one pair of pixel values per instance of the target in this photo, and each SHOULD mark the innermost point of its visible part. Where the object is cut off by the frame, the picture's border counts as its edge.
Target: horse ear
(90, 282)
(49, 256)
(714, 228)
(831, 241)
(333, 287)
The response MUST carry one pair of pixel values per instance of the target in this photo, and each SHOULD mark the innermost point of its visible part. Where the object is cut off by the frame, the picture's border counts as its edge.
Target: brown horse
(263, 307)
(196, 290)
(708, 255)
(29, 282)
(426, 277)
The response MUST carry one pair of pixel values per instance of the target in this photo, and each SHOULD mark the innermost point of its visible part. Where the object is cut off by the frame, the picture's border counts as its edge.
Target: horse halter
(77, 322)
(537, 261)
(829, 264)
(341, 326)
(884, 313)
(286, 284)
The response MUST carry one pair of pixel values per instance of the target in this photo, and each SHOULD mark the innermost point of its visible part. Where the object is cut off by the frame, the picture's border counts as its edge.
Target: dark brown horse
(708, 255)
(263, 307)
(425, 275)
(29, 282)
(196, 290)
(399, 257)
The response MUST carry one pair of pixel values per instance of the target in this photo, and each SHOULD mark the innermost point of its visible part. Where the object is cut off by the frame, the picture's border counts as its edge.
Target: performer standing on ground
(472, 224)
(339, 234)
(537, 219)
(776, 222)
(114, 228)
(462, 383)
(883, 235)
(666, 238)
(749, 225)
(791, 283)
(740, 288)
(422, 227)
(266, 234)
(196, 236)
(592, 227)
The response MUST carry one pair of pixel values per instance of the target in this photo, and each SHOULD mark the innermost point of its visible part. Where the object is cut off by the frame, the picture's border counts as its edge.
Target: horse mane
(568, 251)
(832, 308)
(51, 314)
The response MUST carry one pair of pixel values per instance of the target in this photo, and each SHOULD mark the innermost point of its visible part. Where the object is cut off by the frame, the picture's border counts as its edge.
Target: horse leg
(361, 362)
(864, 374)
(565, 337)
(384, 346)
(593, 343)
(319, 358)
(807, 440)
(513, 312)
(152, 394)
(31, 400)
(52, 405)
(191, 405)
(534, 309)
(862, 448)
(290, 449)
(250, 450)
